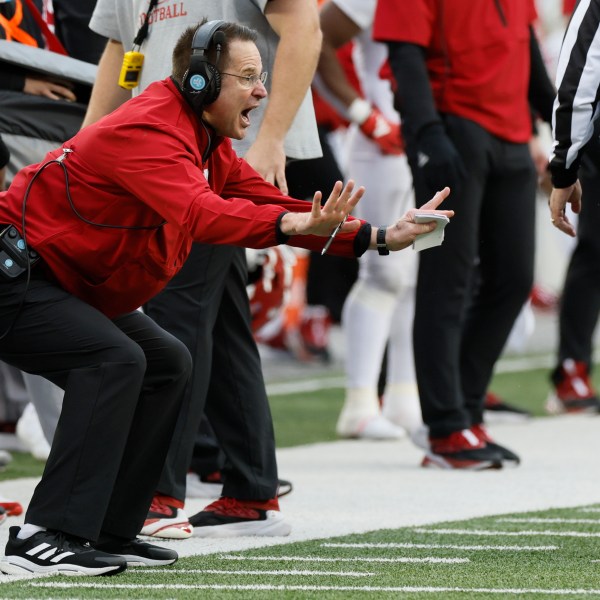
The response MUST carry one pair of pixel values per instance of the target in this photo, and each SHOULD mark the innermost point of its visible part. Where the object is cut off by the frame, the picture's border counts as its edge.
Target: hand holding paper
(423, 227)
(433, 238)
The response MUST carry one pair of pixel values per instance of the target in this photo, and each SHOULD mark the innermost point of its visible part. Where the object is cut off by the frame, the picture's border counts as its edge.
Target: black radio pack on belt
(14, 259)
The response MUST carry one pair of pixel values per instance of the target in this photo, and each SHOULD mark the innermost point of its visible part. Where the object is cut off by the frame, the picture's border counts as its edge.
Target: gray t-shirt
(120, 20)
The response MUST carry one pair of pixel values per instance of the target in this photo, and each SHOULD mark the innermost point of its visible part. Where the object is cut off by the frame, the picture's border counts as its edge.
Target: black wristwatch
(381, 245)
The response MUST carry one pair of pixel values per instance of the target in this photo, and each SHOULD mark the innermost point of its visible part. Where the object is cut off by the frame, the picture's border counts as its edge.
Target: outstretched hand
(403, 233)
(322, 220)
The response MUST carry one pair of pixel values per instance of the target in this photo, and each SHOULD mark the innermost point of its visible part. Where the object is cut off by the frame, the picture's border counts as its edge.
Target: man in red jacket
(112, 215)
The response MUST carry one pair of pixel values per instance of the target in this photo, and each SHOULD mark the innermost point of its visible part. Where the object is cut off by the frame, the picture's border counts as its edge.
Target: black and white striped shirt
(578, 83)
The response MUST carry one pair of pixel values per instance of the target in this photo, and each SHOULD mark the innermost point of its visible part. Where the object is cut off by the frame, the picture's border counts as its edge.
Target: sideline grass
(309, 417)
(413, 563)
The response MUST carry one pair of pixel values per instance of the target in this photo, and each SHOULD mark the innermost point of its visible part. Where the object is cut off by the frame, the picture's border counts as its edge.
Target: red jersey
(135, 168)
(477, 56)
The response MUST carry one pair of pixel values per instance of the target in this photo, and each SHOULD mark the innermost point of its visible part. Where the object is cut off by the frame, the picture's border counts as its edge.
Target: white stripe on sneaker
(58, 558)
(38, 549)
(47, 551)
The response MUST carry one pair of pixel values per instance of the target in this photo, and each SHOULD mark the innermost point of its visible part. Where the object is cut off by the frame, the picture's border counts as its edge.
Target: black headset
(202, 81)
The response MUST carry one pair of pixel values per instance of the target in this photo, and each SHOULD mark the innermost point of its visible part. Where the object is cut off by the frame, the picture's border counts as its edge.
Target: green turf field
(534, 556)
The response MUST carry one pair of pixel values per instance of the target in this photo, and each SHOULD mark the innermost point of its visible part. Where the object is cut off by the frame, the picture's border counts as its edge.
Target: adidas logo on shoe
(167, 520)
(53, 552)
(573, 391)
(461, 450)
(229, 517)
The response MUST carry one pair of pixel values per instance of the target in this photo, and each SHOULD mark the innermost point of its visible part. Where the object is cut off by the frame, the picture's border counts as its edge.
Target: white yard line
(440, 546)
(548, 520)
(581, 534)
(398, 559)
(303, 573)
(319, 588)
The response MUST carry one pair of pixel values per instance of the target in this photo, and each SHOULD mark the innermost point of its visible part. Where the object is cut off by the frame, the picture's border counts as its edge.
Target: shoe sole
(17, 565)
(170, 532)
(437, 462)
(275, 526)
(136, 561)
(168, 529)
(554, 406)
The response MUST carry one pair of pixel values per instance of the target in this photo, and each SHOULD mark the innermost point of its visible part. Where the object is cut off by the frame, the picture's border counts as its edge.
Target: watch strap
(381, 245)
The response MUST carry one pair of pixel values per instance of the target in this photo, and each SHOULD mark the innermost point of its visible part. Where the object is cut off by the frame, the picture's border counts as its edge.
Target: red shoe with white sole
(166, 519)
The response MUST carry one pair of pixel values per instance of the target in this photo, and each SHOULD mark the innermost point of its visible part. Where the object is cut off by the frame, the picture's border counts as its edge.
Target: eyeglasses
(249, 81)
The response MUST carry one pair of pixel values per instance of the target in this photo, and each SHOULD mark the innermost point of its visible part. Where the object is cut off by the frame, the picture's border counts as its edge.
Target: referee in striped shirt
(575, 118)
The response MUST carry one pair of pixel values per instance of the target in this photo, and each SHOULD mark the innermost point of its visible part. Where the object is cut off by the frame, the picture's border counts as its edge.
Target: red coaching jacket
(138, 167)
(477, 56)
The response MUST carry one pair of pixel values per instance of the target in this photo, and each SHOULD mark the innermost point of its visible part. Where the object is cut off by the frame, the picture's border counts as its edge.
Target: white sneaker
(420, 437)
(30, 432)
(373, 428)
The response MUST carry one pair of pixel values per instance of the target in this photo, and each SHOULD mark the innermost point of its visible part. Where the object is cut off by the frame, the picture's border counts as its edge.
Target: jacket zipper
(500, 10)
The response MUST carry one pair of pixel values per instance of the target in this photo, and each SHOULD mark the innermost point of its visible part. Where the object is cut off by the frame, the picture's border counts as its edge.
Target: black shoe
(54, 552)
(509, 458)
(461, 450)
(284, 487)
(138, 553)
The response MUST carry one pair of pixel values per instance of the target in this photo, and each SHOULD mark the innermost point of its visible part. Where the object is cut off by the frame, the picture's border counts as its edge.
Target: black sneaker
(138, 553)
(509, 458)
(229, 517)
(284, 487)
(461, 450)
(54, 552)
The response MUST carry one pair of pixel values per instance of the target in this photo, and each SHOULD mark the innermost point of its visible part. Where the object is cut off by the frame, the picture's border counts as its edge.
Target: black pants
(206, 306)
(459, 337)
(123, 382)
(580, 302)
(329, 278)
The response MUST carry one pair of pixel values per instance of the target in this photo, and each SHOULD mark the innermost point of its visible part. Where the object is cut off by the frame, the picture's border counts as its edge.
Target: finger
(438, 198)
(564, 225)
(282, 182)
(333, 196)
(64, 92)
(315, 211)
(354, 199)
(49, 94)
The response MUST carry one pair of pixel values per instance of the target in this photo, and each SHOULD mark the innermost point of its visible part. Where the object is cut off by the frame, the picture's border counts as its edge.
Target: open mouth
(246, 116)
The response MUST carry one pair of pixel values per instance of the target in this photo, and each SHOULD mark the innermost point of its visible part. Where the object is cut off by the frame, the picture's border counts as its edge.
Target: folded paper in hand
(432, 238)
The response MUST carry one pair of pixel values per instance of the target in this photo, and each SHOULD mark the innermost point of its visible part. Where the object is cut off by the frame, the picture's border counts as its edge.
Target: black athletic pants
(458, 338)
(206, 307)
(580, 302)
(123, 382)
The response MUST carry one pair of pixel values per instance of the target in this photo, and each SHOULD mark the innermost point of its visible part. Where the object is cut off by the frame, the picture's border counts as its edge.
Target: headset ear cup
(214, 84)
